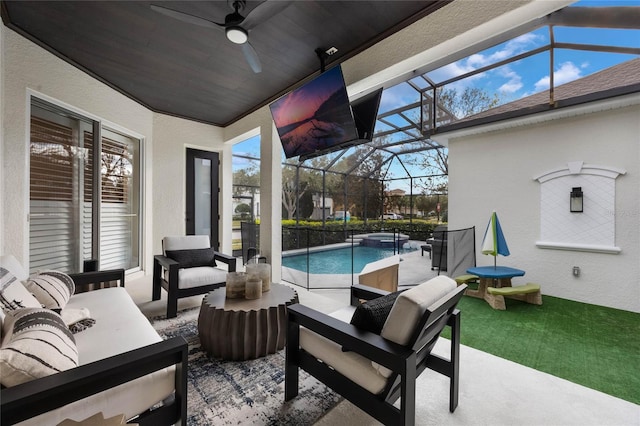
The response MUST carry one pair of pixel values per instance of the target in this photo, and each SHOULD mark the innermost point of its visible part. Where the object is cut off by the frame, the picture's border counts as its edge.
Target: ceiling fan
(235, 26)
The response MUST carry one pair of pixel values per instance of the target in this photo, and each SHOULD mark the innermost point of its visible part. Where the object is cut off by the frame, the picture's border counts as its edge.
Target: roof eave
(586, 104)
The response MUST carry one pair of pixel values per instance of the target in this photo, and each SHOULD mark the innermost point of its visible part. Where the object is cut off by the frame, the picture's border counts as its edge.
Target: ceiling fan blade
(185, 17)
(252, 57)
(263, 12)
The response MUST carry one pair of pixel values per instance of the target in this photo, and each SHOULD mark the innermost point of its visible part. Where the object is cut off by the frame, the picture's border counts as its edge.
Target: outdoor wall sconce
(575, 201)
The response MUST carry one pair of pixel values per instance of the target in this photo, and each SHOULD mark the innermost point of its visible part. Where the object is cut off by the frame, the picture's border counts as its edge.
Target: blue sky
(530, 75)
(518, 79)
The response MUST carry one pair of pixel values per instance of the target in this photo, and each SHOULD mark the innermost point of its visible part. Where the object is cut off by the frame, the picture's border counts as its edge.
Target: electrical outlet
(330, 51)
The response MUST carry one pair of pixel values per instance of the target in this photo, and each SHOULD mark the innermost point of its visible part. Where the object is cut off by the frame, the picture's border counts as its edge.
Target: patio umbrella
(493, 242)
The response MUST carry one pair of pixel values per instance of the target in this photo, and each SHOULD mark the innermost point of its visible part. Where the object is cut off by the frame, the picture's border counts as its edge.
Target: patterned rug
(243, 392)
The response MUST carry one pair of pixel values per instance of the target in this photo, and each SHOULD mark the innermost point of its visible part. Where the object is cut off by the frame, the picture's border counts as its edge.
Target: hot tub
(382, 239)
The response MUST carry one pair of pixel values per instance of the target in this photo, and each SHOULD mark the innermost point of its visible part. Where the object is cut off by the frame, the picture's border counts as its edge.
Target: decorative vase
(236, 282)
(261, 271)
(253, 289)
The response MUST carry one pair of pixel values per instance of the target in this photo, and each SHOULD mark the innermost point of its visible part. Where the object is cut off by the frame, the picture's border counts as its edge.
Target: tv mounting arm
(323, 54)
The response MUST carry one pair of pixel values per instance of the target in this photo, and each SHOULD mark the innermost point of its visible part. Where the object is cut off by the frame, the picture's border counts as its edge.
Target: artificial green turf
(591, 345)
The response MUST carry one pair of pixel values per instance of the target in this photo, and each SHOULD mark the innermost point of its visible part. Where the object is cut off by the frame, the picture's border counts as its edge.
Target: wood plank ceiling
(194, 72)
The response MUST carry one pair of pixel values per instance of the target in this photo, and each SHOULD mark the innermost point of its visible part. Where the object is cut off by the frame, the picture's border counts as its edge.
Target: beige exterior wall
(494, 169)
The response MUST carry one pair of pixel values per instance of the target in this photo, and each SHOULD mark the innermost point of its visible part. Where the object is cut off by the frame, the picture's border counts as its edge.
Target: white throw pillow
(52, 288)
(37, 343)
(14, 295)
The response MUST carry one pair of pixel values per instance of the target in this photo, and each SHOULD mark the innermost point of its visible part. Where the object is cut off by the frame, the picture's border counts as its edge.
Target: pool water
(337, 261)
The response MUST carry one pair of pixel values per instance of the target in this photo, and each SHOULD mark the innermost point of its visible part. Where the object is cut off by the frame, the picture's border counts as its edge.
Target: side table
(241, 329)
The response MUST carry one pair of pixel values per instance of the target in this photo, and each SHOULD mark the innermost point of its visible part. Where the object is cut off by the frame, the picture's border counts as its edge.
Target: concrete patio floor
(493, 391)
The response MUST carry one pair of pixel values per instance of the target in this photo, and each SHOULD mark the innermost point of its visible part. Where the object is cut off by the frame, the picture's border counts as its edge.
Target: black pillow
(193, 257)
(372, 314)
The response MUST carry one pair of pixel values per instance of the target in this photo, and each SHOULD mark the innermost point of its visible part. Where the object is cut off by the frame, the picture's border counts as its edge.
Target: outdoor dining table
(492, 276)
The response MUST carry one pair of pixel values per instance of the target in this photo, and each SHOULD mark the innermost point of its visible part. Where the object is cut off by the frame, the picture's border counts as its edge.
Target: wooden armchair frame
(171, 286)
(406, 362)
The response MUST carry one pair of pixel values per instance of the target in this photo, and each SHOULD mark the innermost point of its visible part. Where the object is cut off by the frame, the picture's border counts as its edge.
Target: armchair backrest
(410, 307)
(185, 242)
(412, 313)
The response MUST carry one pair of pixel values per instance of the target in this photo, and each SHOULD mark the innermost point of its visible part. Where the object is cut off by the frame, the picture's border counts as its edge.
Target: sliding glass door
(80, 211)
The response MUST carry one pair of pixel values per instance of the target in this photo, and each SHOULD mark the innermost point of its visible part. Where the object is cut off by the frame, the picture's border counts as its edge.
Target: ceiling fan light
(237, 34)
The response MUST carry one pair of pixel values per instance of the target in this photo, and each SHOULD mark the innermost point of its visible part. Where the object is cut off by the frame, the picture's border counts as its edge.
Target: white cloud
(397, 96)
(451, 70)
(478, 60)
(514, 82)
(511, 48)
(511, 86)
(566, 73)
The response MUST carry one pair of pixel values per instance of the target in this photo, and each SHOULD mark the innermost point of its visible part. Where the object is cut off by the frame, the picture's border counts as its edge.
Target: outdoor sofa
(125, 368)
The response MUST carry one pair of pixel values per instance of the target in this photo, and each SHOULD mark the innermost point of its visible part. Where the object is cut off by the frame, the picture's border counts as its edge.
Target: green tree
(246, 179)
(291, 192)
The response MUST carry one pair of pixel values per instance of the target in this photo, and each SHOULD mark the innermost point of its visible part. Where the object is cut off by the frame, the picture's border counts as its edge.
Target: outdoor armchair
(188, 267)
(373, 371)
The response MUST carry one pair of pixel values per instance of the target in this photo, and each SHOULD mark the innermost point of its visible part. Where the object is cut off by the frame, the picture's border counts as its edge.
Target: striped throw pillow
(13, 295)
(37, 343)
(52, 288)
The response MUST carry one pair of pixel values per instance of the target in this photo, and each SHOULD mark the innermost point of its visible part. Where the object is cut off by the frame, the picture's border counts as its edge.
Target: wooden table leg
(482, 288)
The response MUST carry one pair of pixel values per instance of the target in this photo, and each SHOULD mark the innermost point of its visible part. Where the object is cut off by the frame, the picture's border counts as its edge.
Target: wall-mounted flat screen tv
(365, 114)
(315, 117)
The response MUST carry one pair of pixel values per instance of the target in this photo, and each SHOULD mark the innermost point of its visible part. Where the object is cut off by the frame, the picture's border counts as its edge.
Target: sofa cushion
(120, 327)
(193, 257)
(37, 343)
(52, 288)
(13, 294)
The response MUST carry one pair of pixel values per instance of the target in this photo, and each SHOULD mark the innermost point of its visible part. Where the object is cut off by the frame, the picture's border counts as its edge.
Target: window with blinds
(64, 216)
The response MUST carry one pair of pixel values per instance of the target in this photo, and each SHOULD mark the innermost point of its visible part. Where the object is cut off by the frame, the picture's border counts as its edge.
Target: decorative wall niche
(593, 229)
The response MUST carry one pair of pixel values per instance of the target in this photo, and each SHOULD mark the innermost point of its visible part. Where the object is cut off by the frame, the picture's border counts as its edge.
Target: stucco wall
(172, 137)
(27, 68)
(495, 171)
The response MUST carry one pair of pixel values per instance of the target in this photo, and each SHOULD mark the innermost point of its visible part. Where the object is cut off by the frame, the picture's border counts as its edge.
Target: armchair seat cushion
(199, 276)
(354, 366)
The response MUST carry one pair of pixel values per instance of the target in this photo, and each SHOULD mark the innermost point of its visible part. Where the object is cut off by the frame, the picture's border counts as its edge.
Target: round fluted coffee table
(240, 329)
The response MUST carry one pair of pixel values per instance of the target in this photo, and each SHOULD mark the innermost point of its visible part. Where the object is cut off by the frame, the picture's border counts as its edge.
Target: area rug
(244, 392)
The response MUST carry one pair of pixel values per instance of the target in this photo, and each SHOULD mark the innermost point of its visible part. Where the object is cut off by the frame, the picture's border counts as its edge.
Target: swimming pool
(337, 261)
